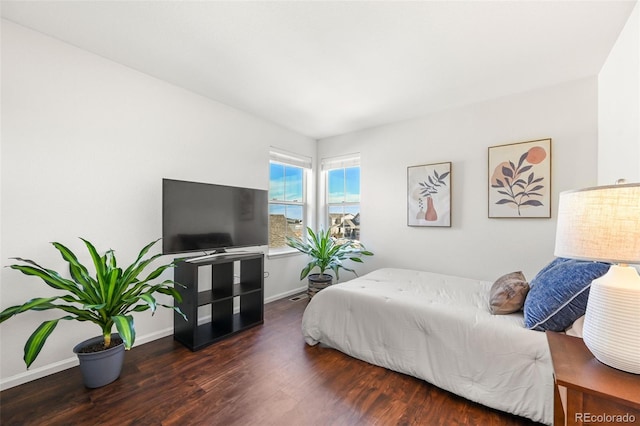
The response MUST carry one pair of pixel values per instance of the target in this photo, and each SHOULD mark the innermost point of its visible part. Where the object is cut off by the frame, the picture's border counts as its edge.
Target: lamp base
(612, 320)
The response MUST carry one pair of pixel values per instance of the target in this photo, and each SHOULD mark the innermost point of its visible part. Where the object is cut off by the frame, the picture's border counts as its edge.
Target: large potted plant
(327, 253)
(109, 298)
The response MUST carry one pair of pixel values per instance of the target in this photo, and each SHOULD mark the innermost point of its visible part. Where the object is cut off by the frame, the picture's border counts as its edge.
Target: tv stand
(247, 291)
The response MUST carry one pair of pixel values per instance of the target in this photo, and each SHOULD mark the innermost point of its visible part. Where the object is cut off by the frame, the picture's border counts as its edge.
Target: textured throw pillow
(555, 262)
(508, 293)
(559, 293)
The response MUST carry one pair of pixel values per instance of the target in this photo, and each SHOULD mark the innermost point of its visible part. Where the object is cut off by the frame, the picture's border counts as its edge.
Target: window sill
(275, 253)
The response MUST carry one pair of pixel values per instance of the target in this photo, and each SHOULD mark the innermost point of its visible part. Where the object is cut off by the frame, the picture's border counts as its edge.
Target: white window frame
(305, 163)
(341, 162)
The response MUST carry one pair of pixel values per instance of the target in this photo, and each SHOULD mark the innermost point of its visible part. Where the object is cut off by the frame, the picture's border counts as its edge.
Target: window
(343, 196)
(287, 197)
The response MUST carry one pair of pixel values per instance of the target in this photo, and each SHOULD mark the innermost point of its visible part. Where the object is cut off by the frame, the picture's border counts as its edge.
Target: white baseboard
(285, 294)
(37, 373)
(71, 362)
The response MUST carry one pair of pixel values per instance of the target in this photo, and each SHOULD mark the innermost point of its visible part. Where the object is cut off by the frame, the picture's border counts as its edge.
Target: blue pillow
(559, 293)
(555, 262)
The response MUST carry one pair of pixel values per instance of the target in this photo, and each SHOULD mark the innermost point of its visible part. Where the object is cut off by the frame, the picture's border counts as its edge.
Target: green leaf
(98, 263)
(171, 292)
(306, 270)
(78, 271)
(151, 301)
(51, 278)
(81, 314)
(70, 258)
(129, 272)
(95, 307)
(177, 309)
(38, 338)
(155, 274)
(124, 324)
(112, 290)
(87, 283)
(112, 259)
(33, 304)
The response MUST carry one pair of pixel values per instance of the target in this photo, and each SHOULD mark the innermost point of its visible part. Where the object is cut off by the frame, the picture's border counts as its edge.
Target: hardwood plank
(266, 375)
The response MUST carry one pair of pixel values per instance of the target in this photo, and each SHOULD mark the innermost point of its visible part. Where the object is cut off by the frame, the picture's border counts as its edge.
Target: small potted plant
(326, 252)
(107, 299)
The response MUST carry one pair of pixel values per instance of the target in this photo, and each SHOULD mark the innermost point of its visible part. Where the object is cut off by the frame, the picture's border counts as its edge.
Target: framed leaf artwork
(520, 180)
(429, 195)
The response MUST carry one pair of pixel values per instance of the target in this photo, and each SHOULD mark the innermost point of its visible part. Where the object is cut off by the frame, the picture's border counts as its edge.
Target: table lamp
(603, 224)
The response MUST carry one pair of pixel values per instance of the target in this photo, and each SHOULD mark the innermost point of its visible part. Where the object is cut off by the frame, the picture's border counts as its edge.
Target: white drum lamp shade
(603, 224)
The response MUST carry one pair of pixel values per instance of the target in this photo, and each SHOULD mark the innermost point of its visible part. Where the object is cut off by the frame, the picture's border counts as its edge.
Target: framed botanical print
(429, 195)
(520, 180)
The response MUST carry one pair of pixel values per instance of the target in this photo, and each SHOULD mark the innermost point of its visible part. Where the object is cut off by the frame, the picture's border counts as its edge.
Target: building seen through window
(287, 199)
(343, 202)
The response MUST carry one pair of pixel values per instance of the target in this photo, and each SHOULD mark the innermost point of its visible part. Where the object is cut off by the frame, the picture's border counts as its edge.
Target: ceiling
(324, 68)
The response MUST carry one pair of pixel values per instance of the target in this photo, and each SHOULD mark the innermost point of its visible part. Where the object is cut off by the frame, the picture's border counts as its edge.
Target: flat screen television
(212, 218)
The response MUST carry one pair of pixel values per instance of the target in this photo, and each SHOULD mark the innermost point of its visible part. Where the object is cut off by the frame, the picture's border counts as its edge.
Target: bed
(437, 328)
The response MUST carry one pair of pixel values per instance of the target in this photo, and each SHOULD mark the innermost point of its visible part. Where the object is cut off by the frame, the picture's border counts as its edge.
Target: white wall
(85, 144)
(474, 246)
(619, 107)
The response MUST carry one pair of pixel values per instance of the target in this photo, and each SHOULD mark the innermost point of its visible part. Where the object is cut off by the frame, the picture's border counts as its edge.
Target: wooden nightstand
(587, 391)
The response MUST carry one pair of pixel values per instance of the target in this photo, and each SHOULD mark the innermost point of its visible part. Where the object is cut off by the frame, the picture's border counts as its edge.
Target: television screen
(207, 217)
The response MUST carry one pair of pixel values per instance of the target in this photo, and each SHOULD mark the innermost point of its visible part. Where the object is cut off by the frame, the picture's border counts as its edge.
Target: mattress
(437, 328)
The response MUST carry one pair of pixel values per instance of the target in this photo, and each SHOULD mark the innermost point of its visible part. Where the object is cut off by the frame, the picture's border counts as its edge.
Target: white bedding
(437, 328)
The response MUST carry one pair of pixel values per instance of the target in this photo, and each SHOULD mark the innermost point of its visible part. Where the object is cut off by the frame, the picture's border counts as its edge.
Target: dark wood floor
(264, 376)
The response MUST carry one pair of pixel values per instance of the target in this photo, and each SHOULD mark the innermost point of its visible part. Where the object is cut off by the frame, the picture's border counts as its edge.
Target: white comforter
(437, 328)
